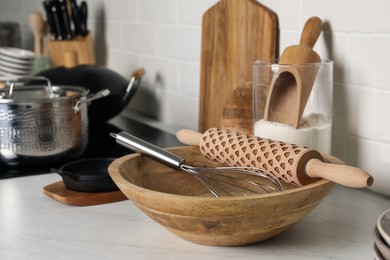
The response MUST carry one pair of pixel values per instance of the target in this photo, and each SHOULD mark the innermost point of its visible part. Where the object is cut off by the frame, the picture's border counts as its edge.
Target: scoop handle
(311, 32)
(153, 152)
(342, 174)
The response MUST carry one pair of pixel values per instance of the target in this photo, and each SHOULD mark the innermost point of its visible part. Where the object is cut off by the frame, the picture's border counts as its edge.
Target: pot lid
(22, 90)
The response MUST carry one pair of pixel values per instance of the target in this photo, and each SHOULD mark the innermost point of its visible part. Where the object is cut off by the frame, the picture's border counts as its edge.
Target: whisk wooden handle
(291, 163)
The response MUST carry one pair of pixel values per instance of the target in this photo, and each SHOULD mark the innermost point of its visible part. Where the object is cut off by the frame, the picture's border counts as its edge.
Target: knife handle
(75, 17)
(50, 20)
(65, 22)
(83, 15)
(54, 8)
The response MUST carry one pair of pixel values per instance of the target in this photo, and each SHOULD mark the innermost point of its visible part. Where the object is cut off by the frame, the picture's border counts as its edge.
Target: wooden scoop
(291, 163)
(291, 86)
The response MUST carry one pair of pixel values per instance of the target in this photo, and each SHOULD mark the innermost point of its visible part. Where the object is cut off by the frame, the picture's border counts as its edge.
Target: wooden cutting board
(60, 193)
(235, 33)
(237, 113)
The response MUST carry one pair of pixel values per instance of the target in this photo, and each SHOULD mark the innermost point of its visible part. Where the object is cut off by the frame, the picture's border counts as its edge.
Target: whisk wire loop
(219, 181)
(228, 184)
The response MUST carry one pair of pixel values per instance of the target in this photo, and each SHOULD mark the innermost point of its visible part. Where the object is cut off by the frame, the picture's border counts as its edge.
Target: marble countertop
(34, 226)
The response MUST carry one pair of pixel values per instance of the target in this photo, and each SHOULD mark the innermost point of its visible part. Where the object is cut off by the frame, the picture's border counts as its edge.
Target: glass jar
(303, 91)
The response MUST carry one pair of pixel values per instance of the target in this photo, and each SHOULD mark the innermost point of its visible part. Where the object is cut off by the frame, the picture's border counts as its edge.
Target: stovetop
(101, 145)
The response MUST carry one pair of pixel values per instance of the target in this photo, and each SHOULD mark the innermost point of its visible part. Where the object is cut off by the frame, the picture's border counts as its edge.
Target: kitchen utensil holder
(83, 46)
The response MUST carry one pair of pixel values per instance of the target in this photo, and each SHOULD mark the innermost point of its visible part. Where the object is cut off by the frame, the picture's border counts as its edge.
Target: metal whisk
(220, 181)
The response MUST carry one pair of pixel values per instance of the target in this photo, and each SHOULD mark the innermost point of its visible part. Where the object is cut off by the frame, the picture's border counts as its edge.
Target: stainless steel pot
(43, 123)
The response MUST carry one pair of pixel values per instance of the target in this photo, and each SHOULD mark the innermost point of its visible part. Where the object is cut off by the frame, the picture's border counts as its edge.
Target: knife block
(83, 46)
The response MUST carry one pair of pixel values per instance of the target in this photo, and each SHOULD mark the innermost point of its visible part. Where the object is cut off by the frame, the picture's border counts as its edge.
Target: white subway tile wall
(140, 38)
(164, 37)
(157, 11)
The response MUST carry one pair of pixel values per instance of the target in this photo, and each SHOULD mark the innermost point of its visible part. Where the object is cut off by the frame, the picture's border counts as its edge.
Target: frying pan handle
(135, 81)
(64, 173)
(154, 152)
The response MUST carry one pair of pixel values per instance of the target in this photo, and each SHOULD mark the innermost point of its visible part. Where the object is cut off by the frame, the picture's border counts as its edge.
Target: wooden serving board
(235, 33)
(59, 192)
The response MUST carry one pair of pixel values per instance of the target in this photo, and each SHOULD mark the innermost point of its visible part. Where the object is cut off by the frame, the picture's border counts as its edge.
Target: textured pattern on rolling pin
(285, 161)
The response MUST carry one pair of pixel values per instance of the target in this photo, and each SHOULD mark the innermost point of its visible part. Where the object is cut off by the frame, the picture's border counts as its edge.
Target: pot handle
(12, 85)
(100, 94)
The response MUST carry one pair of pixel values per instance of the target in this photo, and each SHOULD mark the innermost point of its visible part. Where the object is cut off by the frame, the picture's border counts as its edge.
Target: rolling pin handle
(189, 137)
(342, 174)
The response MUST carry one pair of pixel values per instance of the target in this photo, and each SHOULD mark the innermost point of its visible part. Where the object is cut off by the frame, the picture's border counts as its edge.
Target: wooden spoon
(291, 86)
(38, 27)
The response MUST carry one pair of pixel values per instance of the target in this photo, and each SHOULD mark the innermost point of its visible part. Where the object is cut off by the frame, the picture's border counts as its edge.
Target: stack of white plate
(15, 63)
(382, 236)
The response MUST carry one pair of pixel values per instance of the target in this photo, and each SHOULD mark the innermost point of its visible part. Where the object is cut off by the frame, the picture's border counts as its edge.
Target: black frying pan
(96, 78)
(87, 175)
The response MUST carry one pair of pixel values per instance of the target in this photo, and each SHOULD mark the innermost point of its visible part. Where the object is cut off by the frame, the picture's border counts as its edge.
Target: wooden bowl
(177, 201)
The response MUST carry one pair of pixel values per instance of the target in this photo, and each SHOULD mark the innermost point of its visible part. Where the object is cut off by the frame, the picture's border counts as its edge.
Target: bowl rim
(114, 172)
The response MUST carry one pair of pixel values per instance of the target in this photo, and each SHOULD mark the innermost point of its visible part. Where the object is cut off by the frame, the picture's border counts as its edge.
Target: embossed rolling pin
(289, 162)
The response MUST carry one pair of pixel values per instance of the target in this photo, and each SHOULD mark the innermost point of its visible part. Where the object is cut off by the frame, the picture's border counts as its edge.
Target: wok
(96, 78)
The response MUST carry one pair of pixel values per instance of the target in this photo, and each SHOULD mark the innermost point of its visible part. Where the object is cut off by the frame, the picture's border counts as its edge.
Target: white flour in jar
(315, 131)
